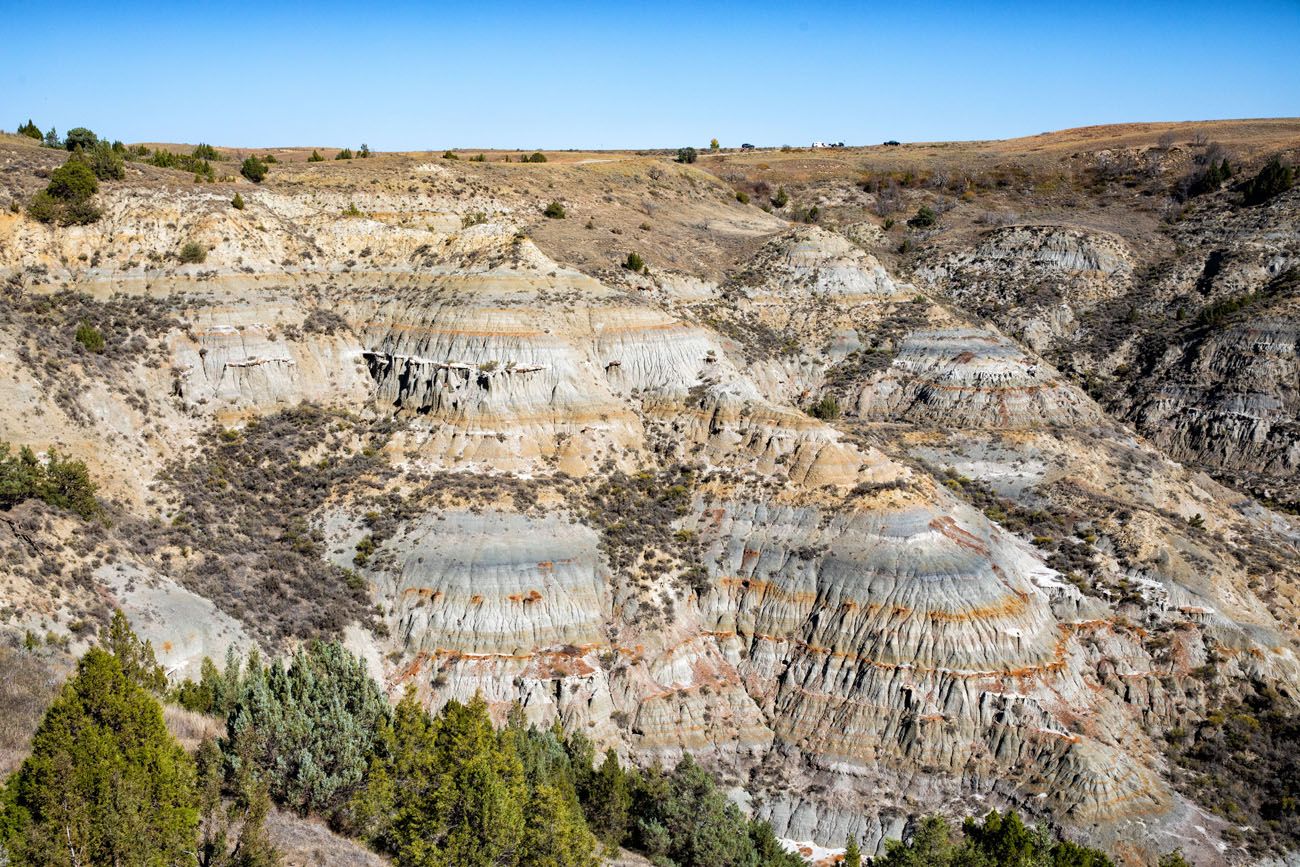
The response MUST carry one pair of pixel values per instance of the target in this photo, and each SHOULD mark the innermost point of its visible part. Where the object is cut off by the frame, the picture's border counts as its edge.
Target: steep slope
(462, 437)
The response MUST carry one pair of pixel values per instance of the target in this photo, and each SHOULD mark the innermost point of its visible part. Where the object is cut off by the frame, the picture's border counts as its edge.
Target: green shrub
(192, 253)
(781, 199)
(535, 157)
(364, 151)
(73, 181)
(80, 213)
(106, 163)
(253, 169)
(481, 158)
(1273, 179)
(687, 155)
(634, 262)
(826, 409)
(742, 197)
(206, 152)
(270, 159)
(67, 198)
(165, 159)
(89, 337)
(352, 210)
(474, 219)
(30, 130)
(345, 154)
(237, 202)
(555, 211)
(80, 138)
(685, 817)
(44, 208)
(924, 219)
(60, 482)
(315, 157)
(449, 155)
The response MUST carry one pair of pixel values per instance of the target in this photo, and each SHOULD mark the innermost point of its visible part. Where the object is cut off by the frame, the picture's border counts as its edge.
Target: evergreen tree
(482, 792)
(105, 783)
(247, 811)
(136, 657)
(315, 157)
(610, 800)
(1273, 179)
(852, 854)
(30, 130)
(554, 834)
(308, 729)
(253, 169)
(52, 139)
(80, 137)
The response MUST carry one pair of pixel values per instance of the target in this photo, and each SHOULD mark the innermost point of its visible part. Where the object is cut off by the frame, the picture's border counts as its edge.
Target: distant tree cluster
(1274, 179)
(68, 199)
(999, 840)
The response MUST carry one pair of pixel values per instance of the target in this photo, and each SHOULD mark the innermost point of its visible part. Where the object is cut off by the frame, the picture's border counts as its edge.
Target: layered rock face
(1230, 398)
(972, 378)
(601, 495)
(1034, 281)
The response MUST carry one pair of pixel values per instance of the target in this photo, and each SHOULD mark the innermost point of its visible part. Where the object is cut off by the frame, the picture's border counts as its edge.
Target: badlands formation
(872, 520)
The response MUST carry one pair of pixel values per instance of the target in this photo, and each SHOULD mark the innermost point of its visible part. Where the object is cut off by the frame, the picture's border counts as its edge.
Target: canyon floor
(874, 519)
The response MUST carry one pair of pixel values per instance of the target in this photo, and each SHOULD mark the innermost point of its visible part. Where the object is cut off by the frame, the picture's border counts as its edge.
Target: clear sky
(490, 73)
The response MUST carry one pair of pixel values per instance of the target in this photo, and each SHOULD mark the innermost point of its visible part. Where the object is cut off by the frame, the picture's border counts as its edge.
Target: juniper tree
(105, 782)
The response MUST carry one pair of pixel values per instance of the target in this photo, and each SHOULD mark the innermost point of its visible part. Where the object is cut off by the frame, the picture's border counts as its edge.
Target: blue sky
(603, 75)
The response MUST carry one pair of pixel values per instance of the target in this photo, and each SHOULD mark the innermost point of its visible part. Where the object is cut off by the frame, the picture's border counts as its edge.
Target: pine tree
(852, 855)
(610, 800)
(135, 657)
(105, 783)
(554, 834)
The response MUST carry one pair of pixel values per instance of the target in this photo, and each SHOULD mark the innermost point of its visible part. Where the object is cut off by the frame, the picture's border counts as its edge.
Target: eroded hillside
(873, 520)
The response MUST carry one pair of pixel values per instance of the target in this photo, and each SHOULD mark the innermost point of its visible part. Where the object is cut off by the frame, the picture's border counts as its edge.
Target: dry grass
(28, 683)
(308, 842)
(191, 728)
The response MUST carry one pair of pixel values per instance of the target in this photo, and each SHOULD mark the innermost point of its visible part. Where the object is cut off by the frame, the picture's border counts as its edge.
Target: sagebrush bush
(555, 211)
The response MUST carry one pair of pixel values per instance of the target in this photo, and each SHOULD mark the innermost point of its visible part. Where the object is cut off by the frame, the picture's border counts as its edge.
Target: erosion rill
(869, 534)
